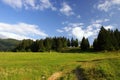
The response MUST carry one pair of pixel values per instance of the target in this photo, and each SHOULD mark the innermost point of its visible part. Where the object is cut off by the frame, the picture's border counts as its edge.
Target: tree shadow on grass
(92, 74)
(80, 73)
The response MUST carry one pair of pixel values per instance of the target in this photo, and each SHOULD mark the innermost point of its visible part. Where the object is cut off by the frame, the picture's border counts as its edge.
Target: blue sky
(36, 19)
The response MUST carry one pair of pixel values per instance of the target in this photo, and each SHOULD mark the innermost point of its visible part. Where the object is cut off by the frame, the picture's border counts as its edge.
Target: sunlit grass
(33, 66)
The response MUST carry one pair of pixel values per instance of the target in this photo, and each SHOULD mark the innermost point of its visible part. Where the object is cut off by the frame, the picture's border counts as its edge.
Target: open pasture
(66, 66)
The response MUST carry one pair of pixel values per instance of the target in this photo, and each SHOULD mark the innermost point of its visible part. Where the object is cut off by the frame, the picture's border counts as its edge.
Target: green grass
(33, 66)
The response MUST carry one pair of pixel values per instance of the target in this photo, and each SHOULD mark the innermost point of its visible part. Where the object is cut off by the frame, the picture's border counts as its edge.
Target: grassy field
(66, 66)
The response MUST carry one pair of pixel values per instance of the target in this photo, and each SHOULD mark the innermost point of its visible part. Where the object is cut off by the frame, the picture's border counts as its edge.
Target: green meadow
(69, 66)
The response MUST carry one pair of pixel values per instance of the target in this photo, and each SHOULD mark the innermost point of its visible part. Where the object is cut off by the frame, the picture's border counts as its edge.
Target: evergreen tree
(105, 40)
(113, 40)
(40, 46)
(85, 44)
(64, 42)
(48, 44)
(25, 45)
(72, 42)
(76, 43)
(68, 43)
(59, 45)
(54, 43)
(117, 37)
(95, 45)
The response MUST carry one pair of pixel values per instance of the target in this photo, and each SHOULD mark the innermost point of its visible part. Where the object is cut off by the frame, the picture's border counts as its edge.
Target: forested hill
(8, 44)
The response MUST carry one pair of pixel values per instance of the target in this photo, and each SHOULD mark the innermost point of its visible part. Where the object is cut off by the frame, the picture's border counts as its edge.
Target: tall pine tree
(84, 44)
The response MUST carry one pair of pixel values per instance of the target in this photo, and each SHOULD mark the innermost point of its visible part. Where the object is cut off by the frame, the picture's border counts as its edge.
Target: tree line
(47, 44)
(106, 40)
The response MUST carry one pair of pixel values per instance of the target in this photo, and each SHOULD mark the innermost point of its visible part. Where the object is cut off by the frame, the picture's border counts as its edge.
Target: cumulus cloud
(66, 10)
(106, 5)
(30, 4)
(20, 31)
(109, 27)
(79, 30)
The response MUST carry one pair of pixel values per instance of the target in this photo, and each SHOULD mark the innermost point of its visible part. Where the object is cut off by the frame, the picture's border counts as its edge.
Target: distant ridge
(8, 44)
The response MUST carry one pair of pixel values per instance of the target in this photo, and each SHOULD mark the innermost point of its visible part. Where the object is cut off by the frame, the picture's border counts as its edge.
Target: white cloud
(45, 4)
(20, 31)
(14, 3)
(59, 30)
(109, 27)
(80, 32)
(76, 30)
(99, 21)
(91, 31)
(30, 4)
(108, 4)
(66, 10)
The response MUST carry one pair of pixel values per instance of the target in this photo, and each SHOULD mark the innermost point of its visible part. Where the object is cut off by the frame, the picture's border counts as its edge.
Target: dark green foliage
(76, 43)
(72, 42)
(64, 41)
(25, 45)
(54, 43)
(95, 44)
(68, 42)
(85, 44)
(47, 44)
(117, 36)
(8, 44)
(103, 39)
(59, 45)
(40, 46)
(107, 40)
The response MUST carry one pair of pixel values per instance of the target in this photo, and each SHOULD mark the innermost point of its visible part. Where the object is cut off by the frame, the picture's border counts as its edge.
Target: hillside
(8, 44)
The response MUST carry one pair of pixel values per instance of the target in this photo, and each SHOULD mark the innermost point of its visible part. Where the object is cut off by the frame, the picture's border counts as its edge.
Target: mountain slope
(8, 44)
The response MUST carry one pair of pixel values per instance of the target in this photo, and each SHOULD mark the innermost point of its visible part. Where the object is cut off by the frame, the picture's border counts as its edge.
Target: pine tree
(54, 43)
(48, 44)
(103, 39)
(117, 36)
(85, 44)
(59, 45)
(72, 42)
(41, 47)
(95, 45)
(76, 43)
(25, 45)
(68, 43)
(64, 42)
